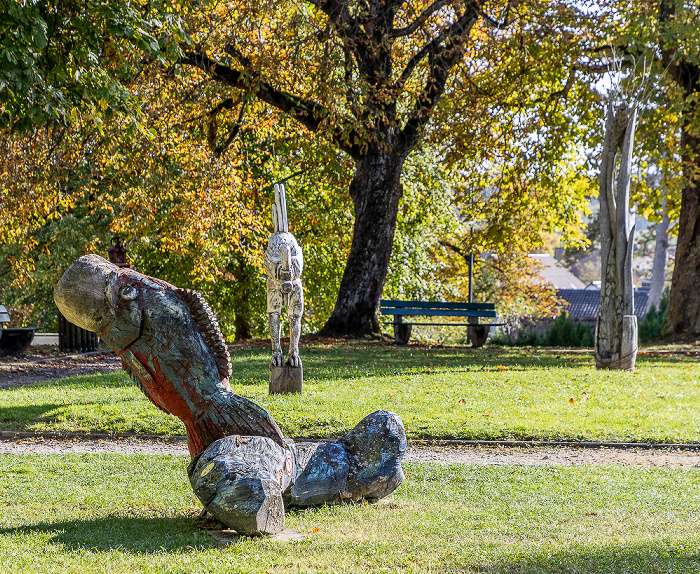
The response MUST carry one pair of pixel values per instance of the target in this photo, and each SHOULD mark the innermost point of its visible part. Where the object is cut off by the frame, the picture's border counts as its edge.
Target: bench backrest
(438, 308)
(4, 315)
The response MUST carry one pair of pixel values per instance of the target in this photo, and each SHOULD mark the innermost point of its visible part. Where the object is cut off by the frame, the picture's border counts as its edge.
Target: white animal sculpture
(283, 263)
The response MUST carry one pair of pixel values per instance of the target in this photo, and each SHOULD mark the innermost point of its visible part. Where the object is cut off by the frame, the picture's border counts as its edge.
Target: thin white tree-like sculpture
(284, 264)
(616, 325)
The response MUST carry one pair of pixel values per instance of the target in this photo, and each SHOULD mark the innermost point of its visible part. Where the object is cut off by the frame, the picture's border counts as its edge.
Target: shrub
(563, 332)
(654, 322)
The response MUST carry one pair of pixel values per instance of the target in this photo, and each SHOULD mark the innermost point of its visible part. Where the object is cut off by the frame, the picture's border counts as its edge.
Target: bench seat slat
(456, 324)
(386, 304)
(439, 312)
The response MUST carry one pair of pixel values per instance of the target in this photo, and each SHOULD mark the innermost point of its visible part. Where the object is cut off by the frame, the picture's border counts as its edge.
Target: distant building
(584, 304)
(558, 276)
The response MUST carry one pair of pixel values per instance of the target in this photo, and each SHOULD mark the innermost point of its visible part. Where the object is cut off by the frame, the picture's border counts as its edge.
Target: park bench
(477, 332)
(13, 341)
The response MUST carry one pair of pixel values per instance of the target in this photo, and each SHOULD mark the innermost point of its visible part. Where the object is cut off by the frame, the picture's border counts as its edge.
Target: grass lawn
(115, 513)
(440, 392)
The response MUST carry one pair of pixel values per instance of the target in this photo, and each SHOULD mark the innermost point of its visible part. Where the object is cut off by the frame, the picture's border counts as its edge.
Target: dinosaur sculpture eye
(129, 292)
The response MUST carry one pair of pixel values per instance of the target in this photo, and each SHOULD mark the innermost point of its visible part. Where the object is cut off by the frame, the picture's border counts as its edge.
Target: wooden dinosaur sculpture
(243, 470)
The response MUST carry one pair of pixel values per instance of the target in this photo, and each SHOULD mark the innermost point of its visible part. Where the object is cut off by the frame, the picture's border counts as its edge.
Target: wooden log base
(240, 481)
(247, 482)
(286, 379)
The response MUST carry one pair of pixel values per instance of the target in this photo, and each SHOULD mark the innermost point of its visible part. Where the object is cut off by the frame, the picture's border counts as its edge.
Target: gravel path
(480, 455)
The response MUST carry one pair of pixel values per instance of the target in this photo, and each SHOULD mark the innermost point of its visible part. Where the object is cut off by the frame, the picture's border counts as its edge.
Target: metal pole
(471, 277)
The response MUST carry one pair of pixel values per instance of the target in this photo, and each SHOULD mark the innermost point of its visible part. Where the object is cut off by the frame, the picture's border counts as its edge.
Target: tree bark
(376, 191)
(684, 303)
(241, 298)
(375, 133)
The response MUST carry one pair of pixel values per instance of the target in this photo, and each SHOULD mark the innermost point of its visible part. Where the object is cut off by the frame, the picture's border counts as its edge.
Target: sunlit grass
(439, 392)
(114, 513)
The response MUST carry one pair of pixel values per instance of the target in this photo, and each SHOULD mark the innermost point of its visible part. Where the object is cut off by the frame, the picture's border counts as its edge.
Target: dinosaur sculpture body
(169, 343)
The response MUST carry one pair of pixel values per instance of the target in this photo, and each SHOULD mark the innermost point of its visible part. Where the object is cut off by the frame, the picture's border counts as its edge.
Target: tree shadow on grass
(347, 363)
(652, 557)
(135, 535)
(19, 417)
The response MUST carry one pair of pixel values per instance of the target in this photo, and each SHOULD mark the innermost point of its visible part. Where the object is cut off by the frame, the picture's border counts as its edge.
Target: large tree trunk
(376, 191)
(244, 276)
(684, 302)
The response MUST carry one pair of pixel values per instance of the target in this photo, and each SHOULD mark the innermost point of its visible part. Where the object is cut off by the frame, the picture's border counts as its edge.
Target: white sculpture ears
(279, 210)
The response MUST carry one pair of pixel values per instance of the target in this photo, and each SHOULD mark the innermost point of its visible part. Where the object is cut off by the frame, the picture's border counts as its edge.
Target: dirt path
(480, 455)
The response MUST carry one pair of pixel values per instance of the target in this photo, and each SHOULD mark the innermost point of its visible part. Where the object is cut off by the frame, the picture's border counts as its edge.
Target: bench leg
(478, 333)
(402, 333)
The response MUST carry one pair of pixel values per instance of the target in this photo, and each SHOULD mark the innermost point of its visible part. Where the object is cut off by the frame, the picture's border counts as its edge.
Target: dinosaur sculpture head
(99, 296)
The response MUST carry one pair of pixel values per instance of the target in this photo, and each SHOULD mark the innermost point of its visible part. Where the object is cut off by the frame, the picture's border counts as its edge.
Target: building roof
(584, 304)
(555, 274)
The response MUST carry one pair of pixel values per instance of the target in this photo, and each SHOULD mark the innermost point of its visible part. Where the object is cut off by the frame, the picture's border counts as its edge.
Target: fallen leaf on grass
(461, 401)
(501, 368)
(314, 529)
(571, 400)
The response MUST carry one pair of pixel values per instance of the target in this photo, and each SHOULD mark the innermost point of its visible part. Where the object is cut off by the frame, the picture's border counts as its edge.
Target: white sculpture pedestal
(286, 379)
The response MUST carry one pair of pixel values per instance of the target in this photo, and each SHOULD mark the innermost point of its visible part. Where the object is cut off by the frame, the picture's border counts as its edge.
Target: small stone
(288, 535)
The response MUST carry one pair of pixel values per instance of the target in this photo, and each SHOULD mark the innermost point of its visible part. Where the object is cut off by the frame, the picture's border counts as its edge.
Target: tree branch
(461, 26)
(418, 22)
(337, 12)
(458, 250)
(492, 23)
(308, 113)
(442, 60)
(212, 131)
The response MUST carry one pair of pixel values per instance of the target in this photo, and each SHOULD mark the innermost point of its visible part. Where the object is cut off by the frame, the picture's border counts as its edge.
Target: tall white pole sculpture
(283, 264)
(616, 325)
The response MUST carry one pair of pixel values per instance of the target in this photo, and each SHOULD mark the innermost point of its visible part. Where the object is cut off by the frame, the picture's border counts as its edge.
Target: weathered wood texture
(284, 263)
(658, 269)
(247, 482)
(286, 379)
(243, 470)
(170, 344)
(616, 325)
(240, 481)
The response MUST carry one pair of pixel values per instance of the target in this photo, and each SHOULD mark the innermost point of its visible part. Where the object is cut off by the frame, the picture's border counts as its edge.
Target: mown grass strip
(122, 514)
(443, 393)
